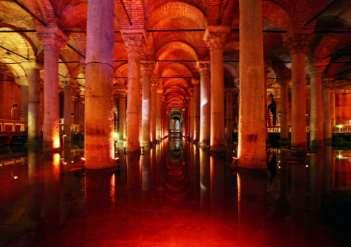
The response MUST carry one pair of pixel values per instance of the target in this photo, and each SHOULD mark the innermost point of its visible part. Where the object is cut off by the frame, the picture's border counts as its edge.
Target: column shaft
(68, 112)
(153, 112)
(284, 99)
(33, 106)
(215, 37)
(99, 149)
(252, 126)
(51, 128)
(204, 104)
(298, 98)
(158, 116)
(196, 116)
(122, 115)
(229, 115)
(133, 42)
(317, 111)
(329, 113)
(146, 70)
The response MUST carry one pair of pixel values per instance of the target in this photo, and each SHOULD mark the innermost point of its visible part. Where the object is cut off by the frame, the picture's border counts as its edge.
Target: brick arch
(177, 10)
(277, 15)
(20, 44)
(170, 47)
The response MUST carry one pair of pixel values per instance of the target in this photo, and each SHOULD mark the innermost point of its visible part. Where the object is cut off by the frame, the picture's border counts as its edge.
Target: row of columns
(142, 93)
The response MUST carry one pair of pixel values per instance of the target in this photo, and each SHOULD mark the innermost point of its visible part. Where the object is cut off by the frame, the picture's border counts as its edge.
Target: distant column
(134, 41)
(158, 114)
(33, 106)
(146, 72)
(204, 138)
(215, 37)
(122, 101)
(153, 111)
(196, 109)
(68, 112)
(284, 99)
(297, 45)
(53, 39)
(317, 109)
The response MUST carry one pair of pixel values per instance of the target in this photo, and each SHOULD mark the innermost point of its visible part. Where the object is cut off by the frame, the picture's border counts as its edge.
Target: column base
(146, 146)
(252, 163)
(34, 145)
(328, 142)
(133, 150)
(220, 148)
(315, 145)
(107, 170)
(47, 148)
(284, 141)
(204, 145)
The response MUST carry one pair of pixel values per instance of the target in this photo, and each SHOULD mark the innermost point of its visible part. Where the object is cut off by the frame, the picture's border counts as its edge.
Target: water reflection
(177, 193)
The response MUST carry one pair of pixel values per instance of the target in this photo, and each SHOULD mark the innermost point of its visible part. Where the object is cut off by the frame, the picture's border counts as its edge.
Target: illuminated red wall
(10, 93)
(343, 108)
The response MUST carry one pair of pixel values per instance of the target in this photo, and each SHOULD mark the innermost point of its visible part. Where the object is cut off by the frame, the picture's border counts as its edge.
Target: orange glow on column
(113, 188)
(56, 141)
(56, 160)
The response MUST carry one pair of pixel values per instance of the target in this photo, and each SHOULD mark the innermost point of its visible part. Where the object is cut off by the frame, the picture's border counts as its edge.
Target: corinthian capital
(297, 43)
(215, 36)
(203, 66)
(134, 41)
(52, 36)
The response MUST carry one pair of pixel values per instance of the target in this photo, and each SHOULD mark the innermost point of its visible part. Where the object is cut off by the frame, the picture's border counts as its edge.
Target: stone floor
(177, 195)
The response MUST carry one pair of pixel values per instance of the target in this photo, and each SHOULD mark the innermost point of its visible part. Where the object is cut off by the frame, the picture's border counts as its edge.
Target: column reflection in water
(217, 165)
(176, 174)
(133, 171)
(204, 177)
(51, 193)
(35, 191)
(145, 170)
(342, 171)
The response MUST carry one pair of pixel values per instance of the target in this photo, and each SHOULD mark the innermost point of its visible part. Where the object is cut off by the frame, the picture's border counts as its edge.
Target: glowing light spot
(56, 142)
(339, 126)
(56, 159)
(82, 158)
(113, 188)
(15, 177)
(116, 135)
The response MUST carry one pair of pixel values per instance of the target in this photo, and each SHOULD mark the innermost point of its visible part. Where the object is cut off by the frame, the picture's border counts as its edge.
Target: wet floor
(177, 195)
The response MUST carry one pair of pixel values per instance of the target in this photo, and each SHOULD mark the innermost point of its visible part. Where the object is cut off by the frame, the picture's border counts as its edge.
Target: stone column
(158, 115)
(122, 101)
(153, 111)
(284, 99)
(252, 127)
(196, 109)
(191, 114)
(229, 95)
(134, 43)
(297, 45)
(33, 107)
(329, 113)
(204, 104)
(146, 72)
(99, 148)
(23, 116)
(68, 112)
(53, 39)
(215, 36)
(317, 112)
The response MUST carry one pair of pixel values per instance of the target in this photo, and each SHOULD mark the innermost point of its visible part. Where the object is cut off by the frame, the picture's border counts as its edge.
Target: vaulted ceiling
(175, 32)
